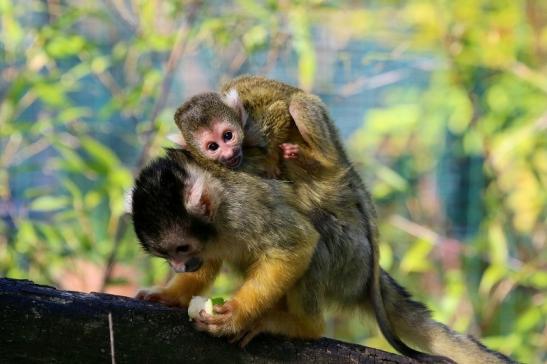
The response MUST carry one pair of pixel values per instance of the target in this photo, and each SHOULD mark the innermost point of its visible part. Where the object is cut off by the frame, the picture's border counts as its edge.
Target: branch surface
(44, 324)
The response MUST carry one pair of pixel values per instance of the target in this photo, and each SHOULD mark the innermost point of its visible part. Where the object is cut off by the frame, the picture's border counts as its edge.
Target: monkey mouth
(235, 161)
(191, 265)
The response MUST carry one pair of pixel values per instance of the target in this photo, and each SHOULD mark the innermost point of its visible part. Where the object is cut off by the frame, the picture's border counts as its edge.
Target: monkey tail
(381, 315)
(412, 321)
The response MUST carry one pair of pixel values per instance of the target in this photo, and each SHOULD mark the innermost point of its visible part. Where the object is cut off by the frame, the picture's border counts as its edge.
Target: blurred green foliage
(87, 97)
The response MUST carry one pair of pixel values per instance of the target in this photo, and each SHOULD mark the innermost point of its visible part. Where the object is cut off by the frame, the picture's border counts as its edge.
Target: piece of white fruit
(198, 303)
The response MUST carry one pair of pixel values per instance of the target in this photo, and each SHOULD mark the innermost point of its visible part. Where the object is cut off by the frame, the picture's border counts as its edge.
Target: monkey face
(164, 220)
(221, 141)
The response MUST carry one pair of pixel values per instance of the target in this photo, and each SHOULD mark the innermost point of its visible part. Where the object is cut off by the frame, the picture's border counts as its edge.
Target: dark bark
(43, 324)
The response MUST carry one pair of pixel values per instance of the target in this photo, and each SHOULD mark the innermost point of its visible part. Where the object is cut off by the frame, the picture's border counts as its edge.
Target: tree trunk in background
(43, 324)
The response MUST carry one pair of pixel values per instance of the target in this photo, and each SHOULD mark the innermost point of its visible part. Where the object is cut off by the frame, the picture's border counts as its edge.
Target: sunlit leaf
(416, 258)
(491, 276)
(103, 157)
(49, 203)
(65, 46)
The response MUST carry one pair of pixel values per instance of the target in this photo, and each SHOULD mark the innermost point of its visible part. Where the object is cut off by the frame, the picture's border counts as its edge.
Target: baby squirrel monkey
(197, 218)
(251, 111)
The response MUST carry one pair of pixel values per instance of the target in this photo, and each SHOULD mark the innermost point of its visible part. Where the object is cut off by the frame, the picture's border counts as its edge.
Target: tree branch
(43, 324)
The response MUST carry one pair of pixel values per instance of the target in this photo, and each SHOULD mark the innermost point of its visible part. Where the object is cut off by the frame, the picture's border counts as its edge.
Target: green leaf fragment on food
(217, 301)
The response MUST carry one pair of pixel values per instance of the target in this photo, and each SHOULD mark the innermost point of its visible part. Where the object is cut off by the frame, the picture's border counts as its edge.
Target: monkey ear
(178, 139)
(232, 99)
(203, 193)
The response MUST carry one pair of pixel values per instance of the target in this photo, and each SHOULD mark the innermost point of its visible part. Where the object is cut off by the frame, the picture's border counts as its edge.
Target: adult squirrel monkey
(197, 218)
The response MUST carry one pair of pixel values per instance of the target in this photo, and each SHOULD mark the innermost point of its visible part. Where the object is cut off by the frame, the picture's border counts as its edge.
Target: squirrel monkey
(198, 218)
(251, 111)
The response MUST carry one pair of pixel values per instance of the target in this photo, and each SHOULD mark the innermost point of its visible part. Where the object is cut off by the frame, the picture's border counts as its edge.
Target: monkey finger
(237, 337)
(251, 334)
(287, 147)
(201, 326)
(220, 319)
(147, 296)
(221, 309)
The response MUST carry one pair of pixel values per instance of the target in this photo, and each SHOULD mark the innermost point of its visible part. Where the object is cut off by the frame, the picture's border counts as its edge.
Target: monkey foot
(245, 336)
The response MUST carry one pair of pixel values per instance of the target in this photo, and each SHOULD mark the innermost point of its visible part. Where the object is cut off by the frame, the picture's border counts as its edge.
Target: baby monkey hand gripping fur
(197, 218)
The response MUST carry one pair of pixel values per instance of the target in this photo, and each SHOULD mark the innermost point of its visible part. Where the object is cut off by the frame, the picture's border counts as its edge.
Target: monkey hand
(227, 320)
(290, 151)
(161, 295)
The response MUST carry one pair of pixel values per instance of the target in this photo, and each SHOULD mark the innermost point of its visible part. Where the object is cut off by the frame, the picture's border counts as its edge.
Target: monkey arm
(180, 289)
(267, 281)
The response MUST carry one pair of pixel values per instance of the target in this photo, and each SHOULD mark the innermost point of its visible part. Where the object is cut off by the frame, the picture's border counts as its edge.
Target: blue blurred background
(442, 105)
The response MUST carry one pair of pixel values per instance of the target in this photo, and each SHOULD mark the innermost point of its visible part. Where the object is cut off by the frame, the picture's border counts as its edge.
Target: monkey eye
(182, 248)
(227, 135)
(160, 253)
(212, 146)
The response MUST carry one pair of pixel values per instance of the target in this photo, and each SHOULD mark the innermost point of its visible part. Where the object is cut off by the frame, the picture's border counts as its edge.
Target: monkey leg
(311, 118)
(413, 323)
(283, 323)
(180, 289)
(276, 122)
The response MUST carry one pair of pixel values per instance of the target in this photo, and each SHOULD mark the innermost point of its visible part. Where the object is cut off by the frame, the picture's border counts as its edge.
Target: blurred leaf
(255, 38)
(52, 94)
(92, 199)
(104, 160)
(49, 203)
(538, 279)
(416, 258)
(303, 46)
(65, 46)
(498, 245)
(491, 277)
(73, 113)
(392, 178)
(386, 256)
(529, 319)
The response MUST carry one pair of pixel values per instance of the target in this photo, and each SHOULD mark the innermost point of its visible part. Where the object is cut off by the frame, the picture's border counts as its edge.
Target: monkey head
(173, 206)
(212, 126)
